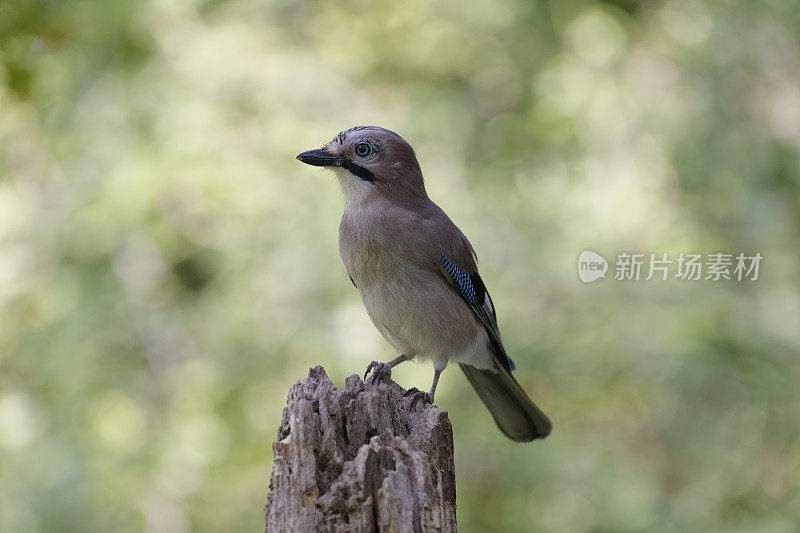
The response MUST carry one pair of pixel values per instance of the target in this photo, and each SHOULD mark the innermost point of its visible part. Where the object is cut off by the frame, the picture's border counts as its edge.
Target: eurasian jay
(417, 276)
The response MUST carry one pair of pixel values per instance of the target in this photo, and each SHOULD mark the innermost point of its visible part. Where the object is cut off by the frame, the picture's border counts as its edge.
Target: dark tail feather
(515, 414)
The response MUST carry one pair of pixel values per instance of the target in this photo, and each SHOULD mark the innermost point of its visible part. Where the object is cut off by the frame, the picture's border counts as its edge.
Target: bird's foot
(381, 371)
(418, 396)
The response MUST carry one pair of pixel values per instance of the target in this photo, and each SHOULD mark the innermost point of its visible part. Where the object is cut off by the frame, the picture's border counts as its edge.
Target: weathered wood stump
(359, 460)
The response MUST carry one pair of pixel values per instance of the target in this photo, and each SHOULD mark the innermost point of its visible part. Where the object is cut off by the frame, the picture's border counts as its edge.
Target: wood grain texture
(358, 460)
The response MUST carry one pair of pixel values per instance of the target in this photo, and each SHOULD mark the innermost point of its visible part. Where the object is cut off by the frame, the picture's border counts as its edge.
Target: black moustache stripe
(361, 172)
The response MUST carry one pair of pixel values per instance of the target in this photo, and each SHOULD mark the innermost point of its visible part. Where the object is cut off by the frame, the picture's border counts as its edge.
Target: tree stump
(359, 460)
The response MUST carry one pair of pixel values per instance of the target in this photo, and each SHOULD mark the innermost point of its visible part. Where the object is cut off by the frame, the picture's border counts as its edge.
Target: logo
(591, 266)
(635, 266)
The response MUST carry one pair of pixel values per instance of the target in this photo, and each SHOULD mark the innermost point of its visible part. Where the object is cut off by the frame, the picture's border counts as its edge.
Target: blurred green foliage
(167, 269)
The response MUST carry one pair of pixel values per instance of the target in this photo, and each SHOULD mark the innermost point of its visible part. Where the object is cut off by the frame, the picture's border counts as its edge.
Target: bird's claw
(381, 371)
(417, 396)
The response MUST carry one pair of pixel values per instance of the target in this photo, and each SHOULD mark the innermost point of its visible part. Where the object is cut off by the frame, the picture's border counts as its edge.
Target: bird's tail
(514, 412)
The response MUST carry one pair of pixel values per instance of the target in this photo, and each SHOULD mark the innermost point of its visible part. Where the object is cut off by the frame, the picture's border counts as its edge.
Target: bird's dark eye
(363, 149)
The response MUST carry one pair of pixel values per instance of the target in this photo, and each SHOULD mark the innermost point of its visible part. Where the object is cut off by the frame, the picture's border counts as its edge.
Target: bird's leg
(383, 370)
(418, 395)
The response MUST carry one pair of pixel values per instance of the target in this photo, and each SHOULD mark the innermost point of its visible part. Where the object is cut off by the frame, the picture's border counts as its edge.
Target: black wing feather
(473, 291)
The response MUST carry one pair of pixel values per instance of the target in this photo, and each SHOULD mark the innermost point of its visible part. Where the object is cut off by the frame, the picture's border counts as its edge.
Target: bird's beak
(320, 158)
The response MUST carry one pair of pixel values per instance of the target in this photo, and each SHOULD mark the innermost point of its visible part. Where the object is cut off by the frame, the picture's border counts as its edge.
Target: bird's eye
(363, 149)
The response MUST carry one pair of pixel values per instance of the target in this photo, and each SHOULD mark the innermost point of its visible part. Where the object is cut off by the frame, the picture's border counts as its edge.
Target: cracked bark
(357, 460)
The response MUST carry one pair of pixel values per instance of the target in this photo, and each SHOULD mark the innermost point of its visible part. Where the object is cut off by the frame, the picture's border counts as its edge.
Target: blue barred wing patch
(461, 281)
(471, 288)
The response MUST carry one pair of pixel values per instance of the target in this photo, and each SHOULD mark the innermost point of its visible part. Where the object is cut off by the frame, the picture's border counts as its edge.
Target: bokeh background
(168, 270)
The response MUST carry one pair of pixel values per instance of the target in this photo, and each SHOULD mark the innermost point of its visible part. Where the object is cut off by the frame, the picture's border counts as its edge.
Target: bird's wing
(512, 409)
(470, 287)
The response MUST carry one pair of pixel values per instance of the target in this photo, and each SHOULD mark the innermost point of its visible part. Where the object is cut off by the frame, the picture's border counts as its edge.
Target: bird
(417, 276)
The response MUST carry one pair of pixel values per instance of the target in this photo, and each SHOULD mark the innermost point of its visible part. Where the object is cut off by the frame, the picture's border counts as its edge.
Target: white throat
(356, 191)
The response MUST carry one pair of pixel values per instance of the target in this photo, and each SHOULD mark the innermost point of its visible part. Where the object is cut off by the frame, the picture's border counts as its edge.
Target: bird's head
(371, 161)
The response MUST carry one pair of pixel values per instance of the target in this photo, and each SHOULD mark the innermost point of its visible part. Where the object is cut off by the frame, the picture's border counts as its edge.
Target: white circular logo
(591, 266)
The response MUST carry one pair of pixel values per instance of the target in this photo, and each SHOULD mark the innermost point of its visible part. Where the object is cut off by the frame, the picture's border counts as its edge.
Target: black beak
(320, 158)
